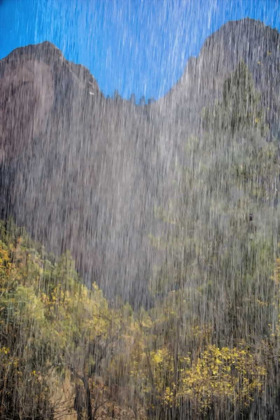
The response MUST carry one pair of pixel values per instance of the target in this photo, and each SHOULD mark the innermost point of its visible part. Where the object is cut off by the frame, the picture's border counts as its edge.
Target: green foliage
(240, 108)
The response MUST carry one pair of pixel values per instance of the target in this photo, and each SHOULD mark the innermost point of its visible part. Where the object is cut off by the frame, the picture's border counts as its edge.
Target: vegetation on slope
(56, 334)
(209, 346)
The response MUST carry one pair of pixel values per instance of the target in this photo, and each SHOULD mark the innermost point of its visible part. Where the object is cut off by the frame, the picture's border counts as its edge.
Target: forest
(206, 346)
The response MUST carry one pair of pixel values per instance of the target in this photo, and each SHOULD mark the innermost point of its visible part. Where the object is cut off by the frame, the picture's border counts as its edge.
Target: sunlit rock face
(27, 95)
(84, 173)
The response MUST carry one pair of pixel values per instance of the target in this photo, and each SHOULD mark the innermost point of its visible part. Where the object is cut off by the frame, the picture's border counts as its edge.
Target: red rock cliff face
(26, 97)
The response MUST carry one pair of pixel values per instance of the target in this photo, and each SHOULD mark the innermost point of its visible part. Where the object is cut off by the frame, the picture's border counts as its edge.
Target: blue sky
(134, 46)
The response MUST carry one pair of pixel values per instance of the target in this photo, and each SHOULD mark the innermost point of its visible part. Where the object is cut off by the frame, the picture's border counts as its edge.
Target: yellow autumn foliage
(222, 374)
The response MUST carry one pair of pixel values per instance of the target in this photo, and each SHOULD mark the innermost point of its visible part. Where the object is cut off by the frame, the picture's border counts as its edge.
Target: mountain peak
(245, 40)
(47, 53)
(247, 27)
